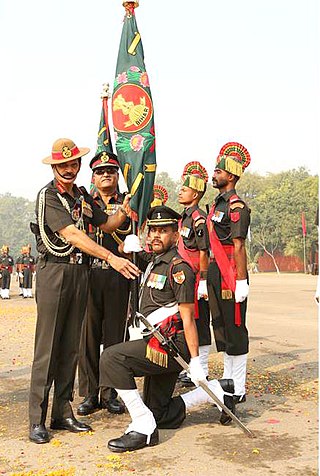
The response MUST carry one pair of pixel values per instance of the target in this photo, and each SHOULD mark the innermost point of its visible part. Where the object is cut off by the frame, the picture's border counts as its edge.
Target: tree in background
(15, 216)
(276, 201)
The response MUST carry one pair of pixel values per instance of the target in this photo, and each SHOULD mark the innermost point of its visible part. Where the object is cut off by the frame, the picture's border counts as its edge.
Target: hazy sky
(244, 70)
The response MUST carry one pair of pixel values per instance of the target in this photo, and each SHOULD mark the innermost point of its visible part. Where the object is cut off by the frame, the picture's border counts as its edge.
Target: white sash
(162, 313)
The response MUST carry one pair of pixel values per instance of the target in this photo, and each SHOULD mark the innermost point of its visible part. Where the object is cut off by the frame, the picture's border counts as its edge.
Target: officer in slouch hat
(63, 215)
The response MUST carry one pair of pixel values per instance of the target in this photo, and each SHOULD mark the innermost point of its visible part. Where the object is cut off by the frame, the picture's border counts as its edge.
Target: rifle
(172, 350)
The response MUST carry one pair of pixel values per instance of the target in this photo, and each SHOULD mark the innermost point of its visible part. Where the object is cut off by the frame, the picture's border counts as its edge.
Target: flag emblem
(132, 108)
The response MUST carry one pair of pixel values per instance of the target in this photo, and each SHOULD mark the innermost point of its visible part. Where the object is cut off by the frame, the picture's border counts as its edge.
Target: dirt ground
(281, 407)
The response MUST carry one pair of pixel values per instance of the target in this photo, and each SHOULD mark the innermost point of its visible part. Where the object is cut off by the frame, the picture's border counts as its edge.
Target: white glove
(20, 275)
(202, 290)
(132, 243)
(196, 371)
(242, 290)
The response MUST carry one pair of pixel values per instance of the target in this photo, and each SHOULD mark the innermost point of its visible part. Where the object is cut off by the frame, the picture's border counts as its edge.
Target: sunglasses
(108, 170)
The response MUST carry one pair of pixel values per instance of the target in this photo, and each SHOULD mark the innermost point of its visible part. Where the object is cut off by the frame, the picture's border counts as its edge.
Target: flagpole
(134, 282)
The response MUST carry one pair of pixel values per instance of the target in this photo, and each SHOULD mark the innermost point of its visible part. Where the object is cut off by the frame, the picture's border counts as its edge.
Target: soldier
(104, 322)
(167, 299)
(63, 213)
(194, 247)
(19, 274)
(6, 267)
(26, 268)
(228, 287)
(160, 195)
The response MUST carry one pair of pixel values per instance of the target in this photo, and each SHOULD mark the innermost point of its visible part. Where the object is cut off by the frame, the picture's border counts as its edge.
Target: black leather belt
(73, 258)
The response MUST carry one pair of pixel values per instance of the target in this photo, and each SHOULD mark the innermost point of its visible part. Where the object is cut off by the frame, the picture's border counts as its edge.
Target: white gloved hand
(242, 290)
(196, 371)
(132, 244)
(20, 275)
(202, 290)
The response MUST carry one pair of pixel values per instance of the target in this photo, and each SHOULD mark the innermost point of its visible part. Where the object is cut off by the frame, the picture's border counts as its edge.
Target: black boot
(239, 398)
(227, 385)
(133, 441)
(108, 400)
(39, 434)
(229, 403)
(69, 424)
(88, 405)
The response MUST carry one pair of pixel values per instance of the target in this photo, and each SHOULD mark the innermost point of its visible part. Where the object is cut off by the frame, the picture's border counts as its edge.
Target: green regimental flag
(104, 143)
(132, 114)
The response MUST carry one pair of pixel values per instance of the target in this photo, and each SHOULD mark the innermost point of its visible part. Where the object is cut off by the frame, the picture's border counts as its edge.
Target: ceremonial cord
(54, 249)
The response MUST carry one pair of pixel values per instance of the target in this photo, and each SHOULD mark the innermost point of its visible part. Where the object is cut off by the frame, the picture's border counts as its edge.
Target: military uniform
(230, 219)
(6, 267)
(26, 266)
(228, 284)
(106, 315)
(170, 281)
(19, 273)
(194, 234)
(61, 295)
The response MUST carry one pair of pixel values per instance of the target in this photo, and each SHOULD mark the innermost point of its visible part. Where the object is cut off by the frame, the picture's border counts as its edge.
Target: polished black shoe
(39, 434)
(88, 405)
(70, 424)
(133, 441)
(113, 405)
(227, 385)
(229, 403)
(239, 398)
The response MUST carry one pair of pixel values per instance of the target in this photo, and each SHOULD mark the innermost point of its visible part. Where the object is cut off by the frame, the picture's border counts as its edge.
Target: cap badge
(66, 152)
(104, 157)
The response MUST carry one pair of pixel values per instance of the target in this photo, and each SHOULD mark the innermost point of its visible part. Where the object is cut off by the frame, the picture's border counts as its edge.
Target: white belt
(162, 313)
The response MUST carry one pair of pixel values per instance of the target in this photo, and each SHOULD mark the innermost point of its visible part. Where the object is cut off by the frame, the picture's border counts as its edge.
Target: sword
(172, 349)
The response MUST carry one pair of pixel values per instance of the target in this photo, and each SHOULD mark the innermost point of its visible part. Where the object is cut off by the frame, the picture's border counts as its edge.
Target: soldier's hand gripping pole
(172, 350)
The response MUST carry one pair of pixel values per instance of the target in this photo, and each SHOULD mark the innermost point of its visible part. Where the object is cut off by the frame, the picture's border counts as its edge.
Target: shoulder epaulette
(236, 202)
(175, 260)
(198, 218)
(83, 190)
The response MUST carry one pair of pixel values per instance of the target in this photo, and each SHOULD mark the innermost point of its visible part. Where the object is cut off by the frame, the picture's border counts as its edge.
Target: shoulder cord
(52, 248)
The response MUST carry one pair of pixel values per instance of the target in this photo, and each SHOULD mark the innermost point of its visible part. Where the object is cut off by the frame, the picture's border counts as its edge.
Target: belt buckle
(75, 258)
(105, 265)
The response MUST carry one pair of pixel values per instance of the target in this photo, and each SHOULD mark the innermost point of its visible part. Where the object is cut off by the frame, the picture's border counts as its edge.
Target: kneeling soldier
(167, 299)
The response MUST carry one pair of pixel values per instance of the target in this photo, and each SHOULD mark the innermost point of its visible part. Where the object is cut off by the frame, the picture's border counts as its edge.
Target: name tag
(156, 281)
(217, 217)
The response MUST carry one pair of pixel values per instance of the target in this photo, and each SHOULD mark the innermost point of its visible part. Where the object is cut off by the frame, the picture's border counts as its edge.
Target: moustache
(68, 176)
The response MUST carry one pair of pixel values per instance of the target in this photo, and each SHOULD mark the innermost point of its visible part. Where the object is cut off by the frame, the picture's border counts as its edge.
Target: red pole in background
(304, 234)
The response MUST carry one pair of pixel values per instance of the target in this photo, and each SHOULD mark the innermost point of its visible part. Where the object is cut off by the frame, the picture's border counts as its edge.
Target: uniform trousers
(61, 296)
(6, 278)
(203, 323)
(121, 363)
(27, 278)
(104, 323)
(229, 338)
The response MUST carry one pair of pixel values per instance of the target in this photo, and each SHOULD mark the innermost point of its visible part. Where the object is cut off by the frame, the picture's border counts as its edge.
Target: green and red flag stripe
(133, 118)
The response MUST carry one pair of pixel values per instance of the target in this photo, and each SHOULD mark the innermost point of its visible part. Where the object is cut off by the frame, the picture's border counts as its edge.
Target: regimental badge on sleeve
(235, 216)
(179, 277)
